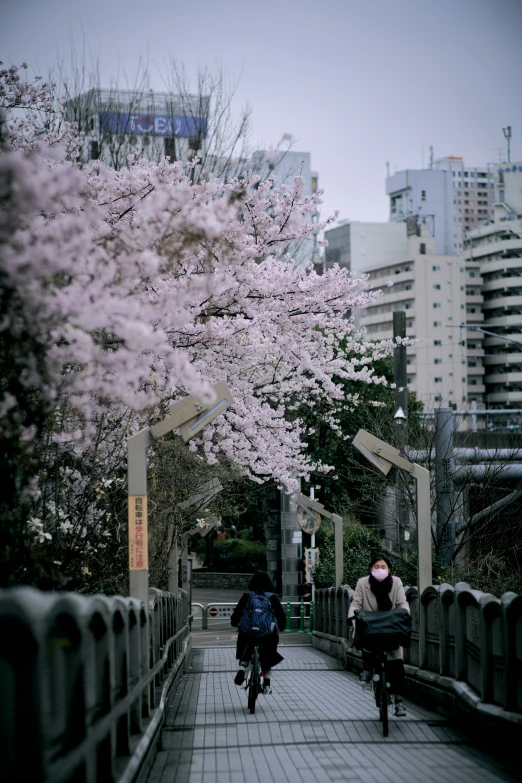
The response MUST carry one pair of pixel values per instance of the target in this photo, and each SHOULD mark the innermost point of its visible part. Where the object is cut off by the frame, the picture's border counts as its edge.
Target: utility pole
(444, 482)
(507, 135)
(400, 378)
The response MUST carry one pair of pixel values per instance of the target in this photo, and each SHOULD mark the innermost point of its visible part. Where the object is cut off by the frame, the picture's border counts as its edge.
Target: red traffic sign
(213, 612)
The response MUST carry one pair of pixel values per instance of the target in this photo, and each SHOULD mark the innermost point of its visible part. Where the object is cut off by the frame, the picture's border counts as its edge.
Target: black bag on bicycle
(382, 631)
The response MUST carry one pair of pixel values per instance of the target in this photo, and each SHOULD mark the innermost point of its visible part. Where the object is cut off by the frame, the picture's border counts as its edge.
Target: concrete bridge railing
(473, 643)
(84, 682)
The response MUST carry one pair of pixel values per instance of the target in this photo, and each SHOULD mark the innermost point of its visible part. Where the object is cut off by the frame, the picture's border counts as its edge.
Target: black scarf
(381, 591)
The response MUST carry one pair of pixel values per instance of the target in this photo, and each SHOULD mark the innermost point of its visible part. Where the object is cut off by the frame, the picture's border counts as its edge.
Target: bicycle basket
(382, 631)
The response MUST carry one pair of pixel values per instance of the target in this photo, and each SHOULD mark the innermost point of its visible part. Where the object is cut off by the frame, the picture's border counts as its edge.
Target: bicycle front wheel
(253, 687)
(383, 706)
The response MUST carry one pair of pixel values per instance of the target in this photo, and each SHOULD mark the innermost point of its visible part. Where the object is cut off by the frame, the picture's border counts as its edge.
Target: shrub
(238, 556)
(359, 543)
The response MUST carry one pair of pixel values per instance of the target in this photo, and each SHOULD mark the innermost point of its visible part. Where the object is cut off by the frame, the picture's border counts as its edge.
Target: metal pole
(400, 395)
(424, 572)
(137, 515)
(173, 567)
(444, 482)
(339, 566)
(400, 376)
(312, 541)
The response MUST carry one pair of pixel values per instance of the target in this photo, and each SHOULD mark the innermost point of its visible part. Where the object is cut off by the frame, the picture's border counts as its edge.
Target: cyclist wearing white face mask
(382, 591)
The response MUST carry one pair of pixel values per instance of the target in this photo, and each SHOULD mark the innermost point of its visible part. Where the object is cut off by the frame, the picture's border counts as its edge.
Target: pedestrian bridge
(317, 725)
(98, 689)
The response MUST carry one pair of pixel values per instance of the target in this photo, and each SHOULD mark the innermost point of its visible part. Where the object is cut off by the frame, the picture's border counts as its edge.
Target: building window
(407, 287)
(95, 150)
(437, 398)
(422, 249)
(423, 195)
(436, 286)
(437, 305)
(437, 342)
(407, 306)
(437, 380)
(437, 323)
(437, 361)
(435, 268)
(501, 195)
(407, 268)
(472, 382)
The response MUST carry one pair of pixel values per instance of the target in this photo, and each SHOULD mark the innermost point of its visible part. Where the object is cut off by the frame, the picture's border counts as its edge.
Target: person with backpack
(258, 617)
(380, 590)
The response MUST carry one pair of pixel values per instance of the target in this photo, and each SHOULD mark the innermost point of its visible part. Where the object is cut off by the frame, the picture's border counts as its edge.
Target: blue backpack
(258, 615)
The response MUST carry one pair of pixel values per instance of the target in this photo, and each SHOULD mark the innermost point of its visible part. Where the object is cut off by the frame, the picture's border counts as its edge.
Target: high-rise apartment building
(493, 263)
(427, 285)
(450, 197)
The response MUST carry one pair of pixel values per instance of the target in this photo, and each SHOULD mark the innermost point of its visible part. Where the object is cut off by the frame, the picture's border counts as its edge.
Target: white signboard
(311, 560)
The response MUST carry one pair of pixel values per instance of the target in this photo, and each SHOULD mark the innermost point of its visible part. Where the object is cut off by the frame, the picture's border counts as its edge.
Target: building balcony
(472, 318)
(502, 283)
(509, 321)
(509, 378)
(482, 249)
(492, 359)
(381, 318)
(385, 277)
(507, 397)
(479, 370)
(472, 299)
(504, 301)
(502, 265)
(479, 388)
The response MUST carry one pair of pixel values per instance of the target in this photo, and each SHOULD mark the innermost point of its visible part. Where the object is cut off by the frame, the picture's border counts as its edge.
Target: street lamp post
(202, 496)
(189, 415)
(383, 456)
(305, 503)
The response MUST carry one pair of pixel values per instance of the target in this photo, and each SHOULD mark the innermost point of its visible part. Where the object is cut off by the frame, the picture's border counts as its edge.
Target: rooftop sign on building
(152, 124)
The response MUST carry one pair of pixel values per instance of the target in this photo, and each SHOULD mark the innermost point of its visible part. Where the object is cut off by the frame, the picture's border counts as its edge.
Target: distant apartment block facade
(427, 285)
(450, 197)
(493, 263)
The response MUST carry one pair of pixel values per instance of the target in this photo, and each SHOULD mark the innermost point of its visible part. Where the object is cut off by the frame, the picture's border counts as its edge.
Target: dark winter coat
(267, 644)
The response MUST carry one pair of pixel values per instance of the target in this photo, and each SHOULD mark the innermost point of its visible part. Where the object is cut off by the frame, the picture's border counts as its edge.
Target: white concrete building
(493, 262)
(283, 166)
(429, 287)
(450, 197)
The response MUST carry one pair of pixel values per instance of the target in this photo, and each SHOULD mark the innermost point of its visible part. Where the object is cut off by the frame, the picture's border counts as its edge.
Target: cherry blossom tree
(125, 289)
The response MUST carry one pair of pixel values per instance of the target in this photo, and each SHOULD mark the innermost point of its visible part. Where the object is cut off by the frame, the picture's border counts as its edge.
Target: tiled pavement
(319, 725)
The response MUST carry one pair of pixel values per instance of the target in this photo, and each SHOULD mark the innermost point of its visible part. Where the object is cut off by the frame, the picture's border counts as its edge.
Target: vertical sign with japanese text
(311, 559)
(138, 533)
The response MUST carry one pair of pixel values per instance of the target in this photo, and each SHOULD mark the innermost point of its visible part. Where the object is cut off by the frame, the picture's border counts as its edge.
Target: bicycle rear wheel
(383, 705)
(253, 687)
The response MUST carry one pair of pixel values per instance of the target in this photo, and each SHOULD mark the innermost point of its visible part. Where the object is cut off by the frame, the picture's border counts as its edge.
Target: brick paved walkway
(319, 725)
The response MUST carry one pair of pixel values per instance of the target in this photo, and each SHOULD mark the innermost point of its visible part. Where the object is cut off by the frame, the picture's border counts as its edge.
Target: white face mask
(380, 573)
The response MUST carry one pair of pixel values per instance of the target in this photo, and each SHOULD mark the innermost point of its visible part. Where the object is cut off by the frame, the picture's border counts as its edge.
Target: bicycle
(381, 689)
(253, 680)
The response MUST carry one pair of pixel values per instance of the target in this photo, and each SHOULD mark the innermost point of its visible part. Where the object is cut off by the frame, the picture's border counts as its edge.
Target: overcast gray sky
(357, 82)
